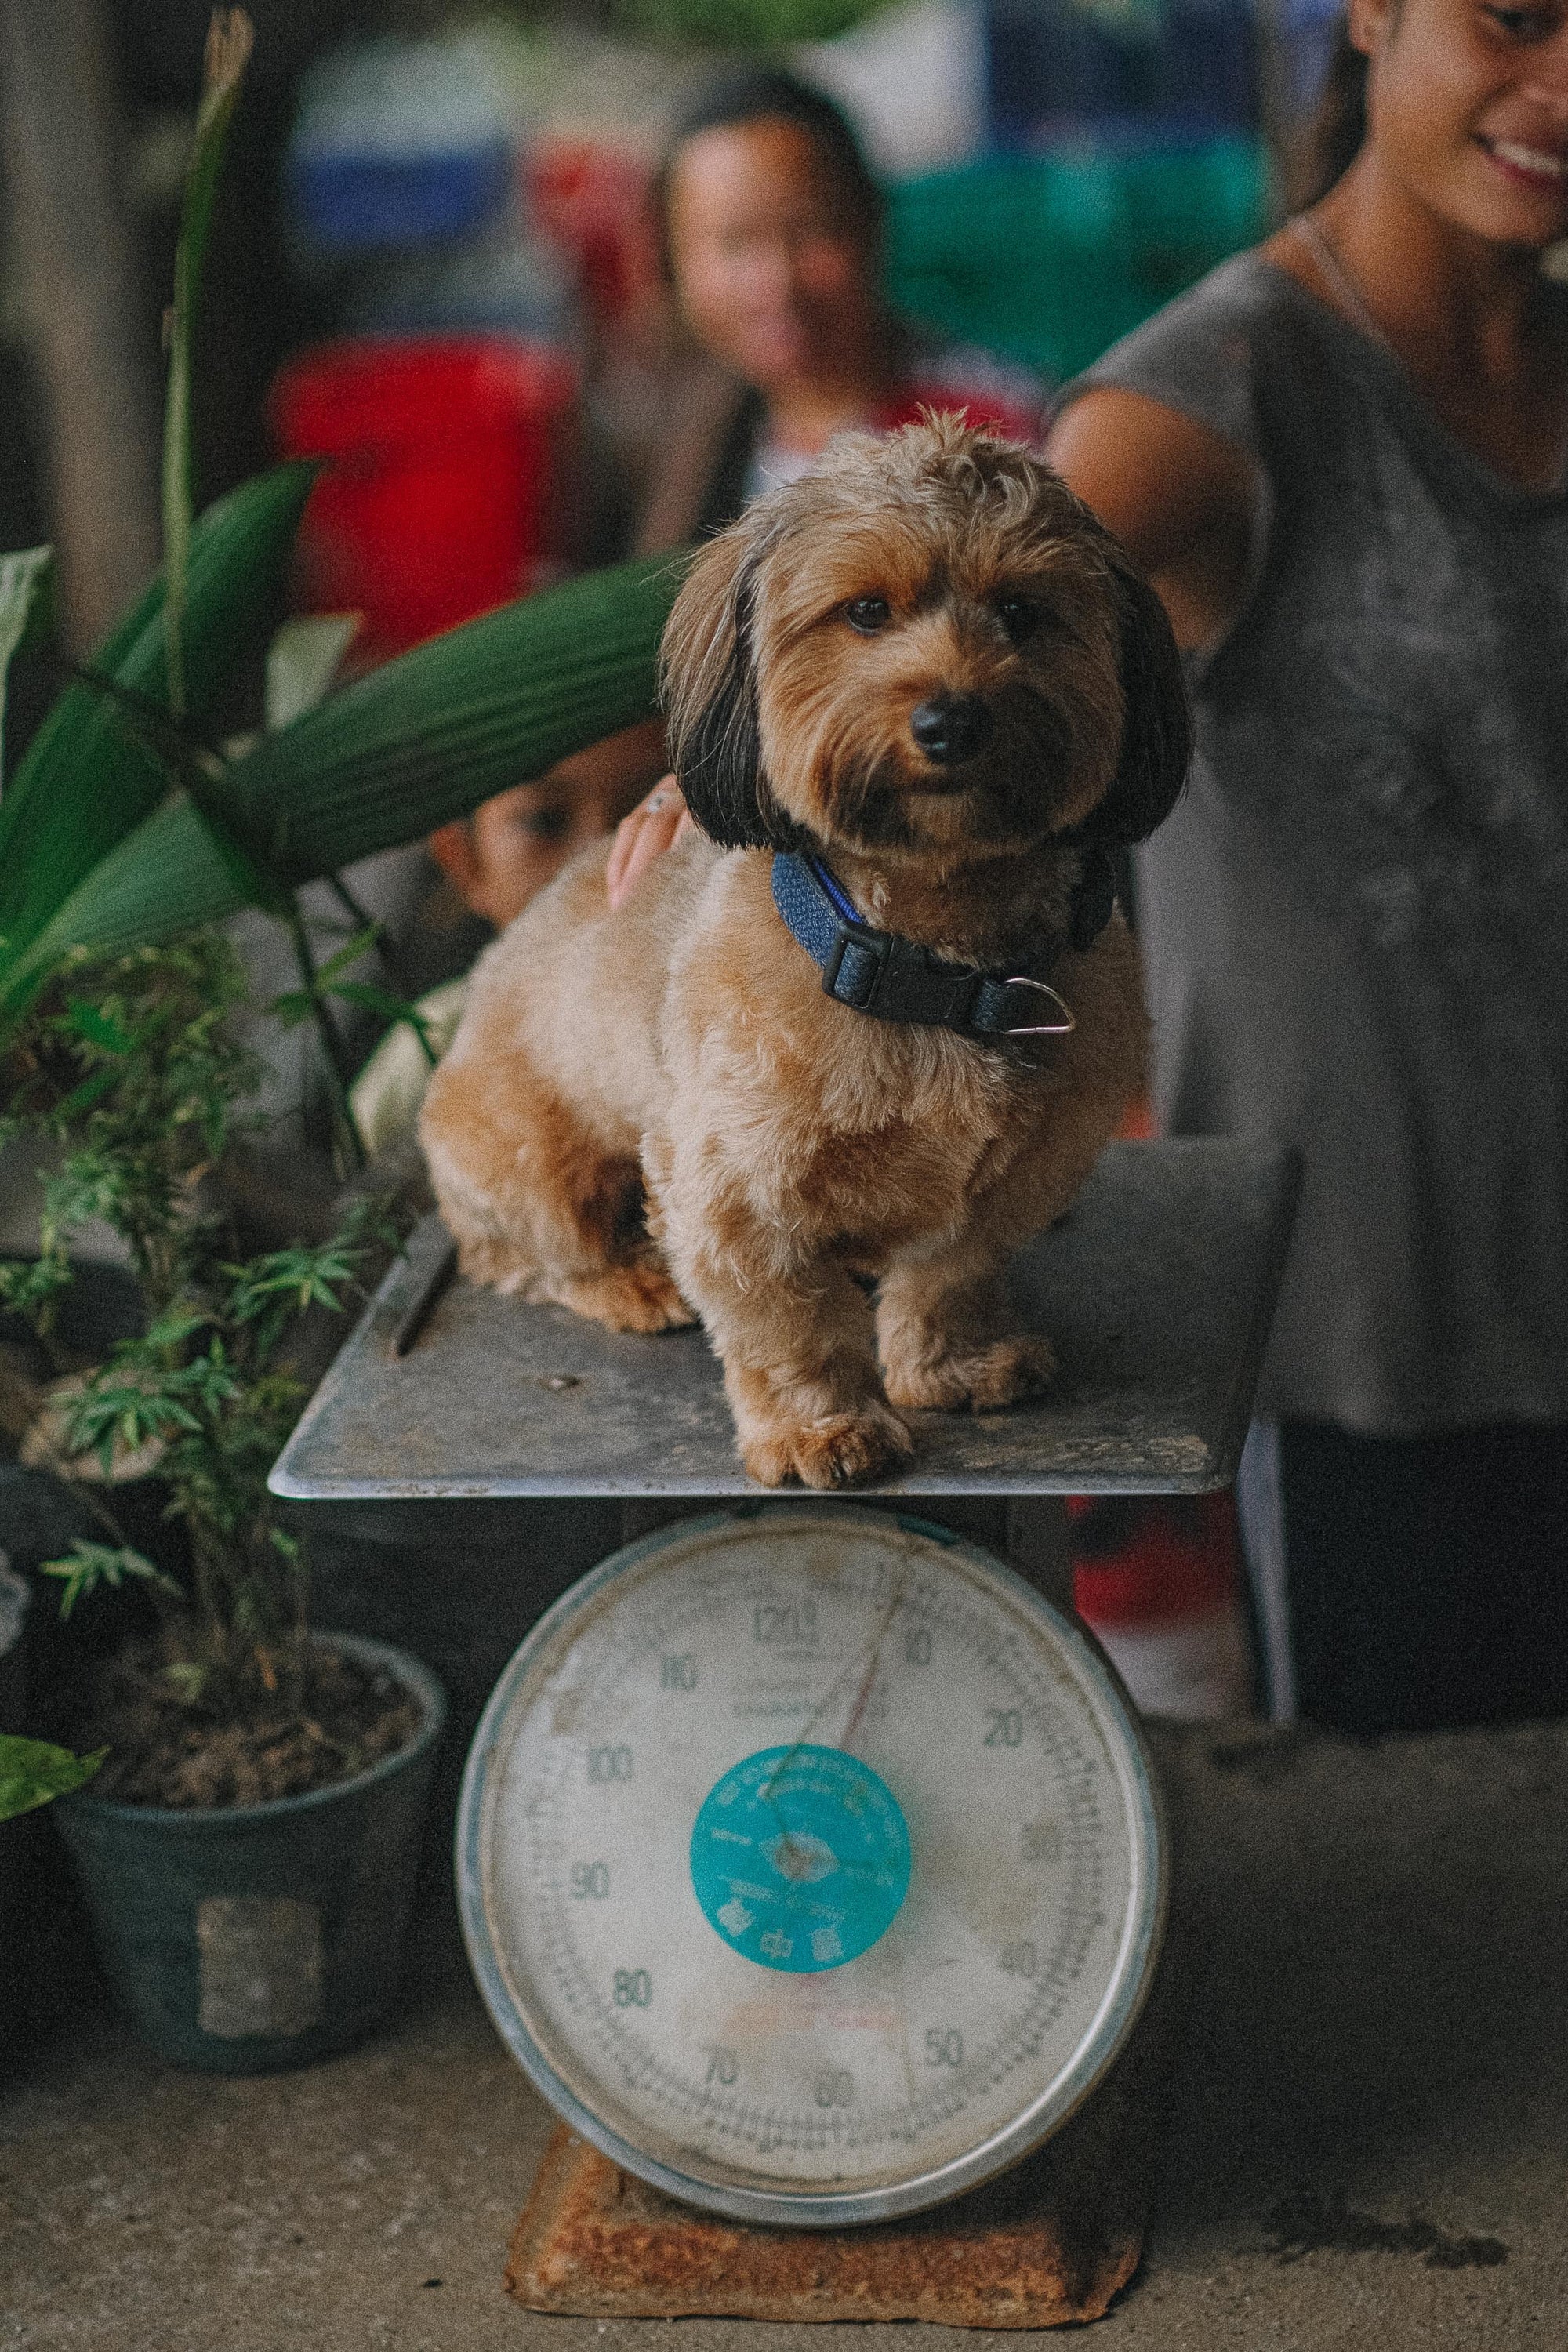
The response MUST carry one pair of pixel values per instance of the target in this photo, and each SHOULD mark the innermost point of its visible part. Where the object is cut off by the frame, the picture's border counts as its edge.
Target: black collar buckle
(873, 954)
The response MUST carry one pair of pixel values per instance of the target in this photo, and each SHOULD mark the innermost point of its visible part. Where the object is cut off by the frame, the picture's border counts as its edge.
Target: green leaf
(405, 749)
(33, 1772)
(92, 1090)
(200, 774)
(230, 38)
(392, 1010)
(92, 1564)
(348, 954)
(84, 787)
(301, 663)
(99, 1028)
(32, 1286)
(26, 579)
(429, 735)
(167, 877)
(168, 1330)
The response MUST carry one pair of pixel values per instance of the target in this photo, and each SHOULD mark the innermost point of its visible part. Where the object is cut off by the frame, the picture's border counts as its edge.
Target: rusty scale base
(1053, 2241)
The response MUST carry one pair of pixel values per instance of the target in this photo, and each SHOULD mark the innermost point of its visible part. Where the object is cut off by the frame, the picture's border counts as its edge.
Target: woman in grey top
(1343, 461)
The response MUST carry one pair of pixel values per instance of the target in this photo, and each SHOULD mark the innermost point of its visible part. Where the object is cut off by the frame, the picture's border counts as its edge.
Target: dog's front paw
(986, 1374)
(626, 1298)
(841, 1449)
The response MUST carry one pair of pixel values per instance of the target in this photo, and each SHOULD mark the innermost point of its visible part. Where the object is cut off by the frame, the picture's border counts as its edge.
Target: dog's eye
(868, 613)
(1020, 616)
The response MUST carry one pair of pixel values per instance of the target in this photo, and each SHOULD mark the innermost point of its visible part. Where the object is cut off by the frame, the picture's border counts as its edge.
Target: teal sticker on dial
(800, 1858)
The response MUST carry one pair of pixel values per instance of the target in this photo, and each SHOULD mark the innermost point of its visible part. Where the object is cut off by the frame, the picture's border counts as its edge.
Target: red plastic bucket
(450, 462)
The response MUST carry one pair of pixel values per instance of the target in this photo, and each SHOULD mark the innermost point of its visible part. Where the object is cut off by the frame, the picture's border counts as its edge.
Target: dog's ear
(709, 690)
(1157, 733)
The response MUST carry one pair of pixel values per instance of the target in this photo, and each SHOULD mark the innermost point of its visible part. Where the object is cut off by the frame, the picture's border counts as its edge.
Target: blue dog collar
(893, 980)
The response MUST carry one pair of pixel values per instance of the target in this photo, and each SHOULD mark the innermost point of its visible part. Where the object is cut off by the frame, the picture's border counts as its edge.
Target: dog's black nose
(951, 728)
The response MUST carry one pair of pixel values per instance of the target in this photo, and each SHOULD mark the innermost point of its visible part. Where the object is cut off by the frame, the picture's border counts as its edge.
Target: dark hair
(1334, 136)
(754, 93)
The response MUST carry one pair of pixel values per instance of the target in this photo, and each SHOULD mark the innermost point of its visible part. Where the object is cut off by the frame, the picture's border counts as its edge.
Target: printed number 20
(1006, 1726)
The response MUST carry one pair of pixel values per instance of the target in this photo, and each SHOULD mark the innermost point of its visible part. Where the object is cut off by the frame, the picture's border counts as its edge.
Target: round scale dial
(810, 1864)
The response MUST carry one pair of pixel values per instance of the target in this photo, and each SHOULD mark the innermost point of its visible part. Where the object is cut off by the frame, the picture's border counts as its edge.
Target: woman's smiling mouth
(1538, 165)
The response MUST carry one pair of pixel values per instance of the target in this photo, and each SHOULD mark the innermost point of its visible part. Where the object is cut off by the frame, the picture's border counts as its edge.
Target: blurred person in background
(1343, 459)
(770, 225)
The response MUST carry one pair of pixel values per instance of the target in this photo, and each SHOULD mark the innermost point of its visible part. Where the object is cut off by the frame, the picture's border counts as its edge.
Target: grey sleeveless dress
(1355, 925)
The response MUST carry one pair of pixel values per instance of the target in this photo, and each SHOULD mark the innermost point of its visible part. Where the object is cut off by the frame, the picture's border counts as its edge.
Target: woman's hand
(653, 826)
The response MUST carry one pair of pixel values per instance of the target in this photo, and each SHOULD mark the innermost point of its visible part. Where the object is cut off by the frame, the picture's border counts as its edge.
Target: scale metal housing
(810, 1864)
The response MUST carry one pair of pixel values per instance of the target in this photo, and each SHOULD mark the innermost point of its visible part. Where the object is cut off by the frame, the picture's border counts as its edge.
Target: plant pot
(245, 1940)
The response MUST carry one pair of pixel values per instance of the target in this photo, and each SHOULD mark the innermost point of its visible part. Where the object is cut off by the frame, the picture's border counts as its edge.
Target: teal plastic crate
(1050, 260)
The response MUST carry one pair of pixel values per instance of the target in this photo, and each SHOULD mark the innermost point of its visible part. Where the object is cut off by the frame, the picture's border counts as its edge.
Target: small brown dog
(913, 698)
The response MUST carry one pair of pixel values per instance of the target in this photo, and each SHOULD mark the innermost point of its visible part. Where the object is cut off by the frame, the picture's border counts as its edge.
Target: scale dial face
(810, 1864)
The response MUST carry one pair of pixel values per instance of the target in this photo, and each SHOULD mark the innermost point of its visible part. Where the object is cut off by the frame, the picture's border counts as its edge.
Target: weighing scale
(810, 1864)
(810, 1859)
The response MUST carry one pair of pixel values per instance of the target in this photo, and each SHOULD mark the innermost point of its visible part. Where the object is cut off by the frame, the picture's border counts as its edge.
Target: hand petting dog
(874, 1020)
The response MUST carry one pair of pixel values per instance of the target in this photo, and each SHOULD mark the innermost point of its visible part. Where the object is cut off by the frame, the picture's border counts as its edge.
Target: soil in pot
(244, 1936)
(163, 1751)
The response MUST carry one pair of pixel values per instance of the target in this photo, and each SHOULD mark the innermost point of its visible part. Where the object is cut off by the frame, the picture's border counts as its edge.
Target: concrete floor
(1366, 2147)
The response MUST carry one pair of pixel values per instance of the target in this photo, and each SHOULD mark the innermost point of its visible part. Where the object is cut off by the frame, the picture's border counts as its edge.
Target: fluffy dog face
(927, 648)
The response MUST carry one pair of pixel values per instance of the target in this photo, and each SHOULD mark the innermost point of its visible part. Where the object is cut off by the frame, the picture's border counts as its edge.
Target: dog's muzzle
(952, 728)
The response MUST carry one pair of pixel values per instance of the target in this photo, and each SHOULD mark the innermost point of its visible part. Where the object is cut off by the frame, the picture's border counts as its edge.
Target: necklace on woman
(1345, 286)
(1340, 278)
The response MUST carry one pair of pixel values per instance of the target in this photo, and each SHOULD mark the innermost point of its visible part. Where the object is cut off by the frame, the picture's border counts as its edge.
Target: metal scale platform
(1156, 1289)
(468, 1460)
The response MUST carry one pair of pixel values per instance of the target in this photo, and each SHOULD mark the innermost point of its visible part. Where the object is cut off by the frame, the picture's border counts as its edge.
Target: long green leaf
(85, 783)
(301, 663)
(230, 38)
(428, 736)
(168, 875)
(404, 750)
(25, 583)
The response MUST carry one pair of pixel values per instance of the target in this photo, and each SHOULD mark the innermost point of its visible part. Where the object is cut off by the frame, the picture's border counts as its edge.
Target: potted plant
(250, 1844)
